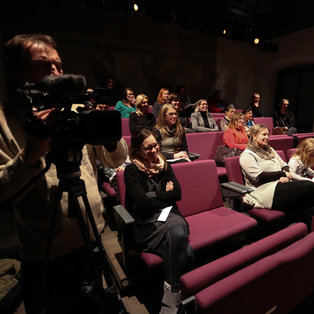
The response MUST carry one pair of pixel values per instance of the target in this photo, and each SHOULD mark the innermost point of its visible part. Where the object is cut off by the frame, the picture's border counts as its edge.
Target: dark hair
(17, 49)
(247, 109)
(125, 94)
(228, 107)
(173, 96)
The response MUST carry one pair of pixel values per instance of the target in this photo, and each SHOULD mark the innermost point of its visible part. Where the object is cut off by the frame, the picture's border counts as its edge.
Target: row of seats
(254, 279)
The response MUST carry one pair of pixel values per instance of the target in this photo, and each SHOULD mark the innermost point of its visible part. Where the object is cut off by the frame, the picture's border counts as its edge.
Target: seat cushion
(212, 226)
(266, 214)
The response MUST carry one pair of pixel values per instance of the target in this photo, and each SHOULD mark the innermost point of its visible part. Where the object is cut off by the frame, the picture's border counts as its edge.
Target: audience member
(301, 163)
(248, 119)
(151, 186)
(202, 120)
(141, 118)
(269, 176)
(161, 100)
(229, 111)
(235, 136)
(256, 106)
(182, 114)
(170, 135)
(184, 98)
(126, 105)
(216, 104)
(283, 117)
(31, 57)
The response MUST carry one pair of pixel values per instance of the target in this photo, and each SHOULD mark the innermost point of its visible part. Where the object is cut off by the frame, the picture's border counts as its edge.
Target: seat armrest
(122, 216)
(236, 187)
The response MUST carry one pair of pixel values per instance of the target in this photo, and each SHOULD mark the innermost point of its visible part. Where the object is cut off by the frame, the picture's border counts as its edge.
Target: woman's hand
(169, 186)
(283, 180)
(288, 175)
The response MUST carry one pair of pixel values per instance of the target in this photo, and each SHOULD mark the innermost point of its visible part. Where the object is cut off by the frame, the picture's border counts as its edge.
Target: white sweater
(299, 171)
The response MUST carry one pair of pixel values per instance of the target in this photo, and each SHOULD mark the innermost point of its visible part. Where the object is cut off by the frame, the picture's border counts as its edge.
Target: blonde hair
(139, 99)
(305, 151)
(198, 103)
(162, 123)
(233, 120)
(254, 131)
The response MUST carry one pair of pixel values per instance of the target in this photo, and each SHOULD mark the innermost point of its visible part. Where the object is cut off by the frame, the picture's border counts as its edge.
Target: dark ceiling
(242, 20)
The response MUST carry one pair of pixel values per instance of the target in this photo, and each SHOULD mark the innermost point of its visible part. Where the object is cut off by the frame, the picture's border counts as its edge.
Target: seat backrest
(121, 186)
(217, 114)
(281, 142)
(275, 284)
(233, 168)
(127, 139)
(303, 136)
(204, 143)
(217, 120)
(282, 155)
(200, 188)
(201, 277)
(268, 121)
(125, 127)
(290, 152)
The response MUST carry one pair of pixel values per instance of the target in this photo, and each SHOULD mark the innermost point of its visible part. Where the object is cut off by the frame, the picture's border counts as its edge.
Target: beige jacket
(33, 209)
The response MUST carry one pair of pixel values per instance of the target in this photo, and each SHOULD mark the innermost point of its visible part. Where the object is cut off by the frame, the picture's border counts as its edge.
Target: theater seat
(290, 152)
(206, 275)
(211, 224)
(277, 283)
(235, 175)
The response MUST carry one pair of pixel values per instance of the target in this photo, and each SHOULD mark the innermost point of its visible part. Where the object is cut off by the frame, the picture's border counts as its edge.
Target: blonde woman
(141, 118)
(269, 177)
(170, 134)
(301, 163)
(201, 119)
(235, 136)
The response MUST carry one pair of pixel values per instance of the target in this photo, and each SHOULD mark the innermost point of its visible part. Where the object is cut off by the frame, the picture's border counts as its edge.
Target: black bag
(193, 156)
(224, 152)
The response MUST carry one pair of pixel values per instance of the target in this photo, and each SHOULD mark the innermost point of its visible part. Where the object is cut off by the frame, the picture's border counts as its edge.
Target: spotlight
(256, 41)
(224, 32)
(135, 7)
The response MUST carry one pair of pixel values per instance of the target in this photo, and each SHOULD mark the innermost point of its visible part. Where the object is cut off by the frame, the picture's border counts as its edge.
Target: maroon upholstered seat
(282, 154)
(235, 175)
(281, 142)
(202, 206)
(290, 152)
(125, 127)
(268, 121)
(302, 136)
(277, 283)
(204, 276)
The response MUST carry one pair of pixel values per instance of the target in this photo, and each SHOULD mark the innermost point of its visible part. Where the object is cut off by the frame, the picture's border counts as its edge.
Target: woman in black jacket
(151, 187)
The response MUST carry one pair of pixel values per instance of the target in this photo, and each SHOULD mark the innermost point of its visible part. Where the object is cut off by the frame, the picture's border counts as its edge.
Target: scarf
(150, 169)
(266, 152)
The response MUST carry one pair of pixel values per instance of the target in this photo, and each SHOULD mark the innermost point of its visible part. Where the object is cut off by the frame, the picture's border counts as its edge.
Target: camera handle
(77, 200)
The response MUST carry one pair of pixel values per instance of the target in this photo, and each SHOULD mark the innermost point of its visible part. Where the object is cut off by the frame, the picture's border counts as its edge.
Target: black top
(145, 198)
(287, 119)
(205, 119)
(137, 122)
(257, 111)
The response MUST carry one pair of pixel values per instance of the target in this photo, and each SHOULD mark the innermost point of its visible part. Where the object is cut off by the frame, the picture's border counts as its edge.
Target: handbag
(224, 152)
(278, 130)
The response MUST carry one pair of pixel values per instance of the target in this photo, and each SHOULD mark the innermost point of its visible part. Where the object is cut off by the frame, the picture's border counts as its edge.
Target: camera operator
(30, 58)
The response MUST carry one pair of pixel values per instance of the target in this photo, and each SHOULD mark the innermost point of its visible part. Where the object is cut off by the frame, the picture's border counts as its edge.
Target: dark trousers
(63, 285)
(177, 255)
(294, 195)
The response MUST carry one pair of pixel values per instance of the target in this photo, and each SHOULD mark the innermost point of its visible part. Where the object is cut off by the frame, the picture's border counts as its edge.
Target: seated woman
(269, 176)
(229, 111)
(248, 119)
(202, 120)
(235, 136)
(141, 118)
(152, 186)
(301, 163)
(170, 134)
(283, 117)
(126, 105)
(182, 114)
(162, 99)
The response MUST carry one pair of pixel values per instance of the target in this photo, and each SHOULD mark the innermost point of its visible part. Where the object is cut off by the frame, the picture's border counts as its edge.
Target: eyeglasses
(150, 148)
(145, 102)
(171, 114)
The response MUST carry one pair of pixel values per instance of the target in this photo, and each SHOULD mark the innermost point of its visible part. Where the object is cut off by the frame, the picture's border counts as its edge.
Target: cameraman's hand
(36, 147)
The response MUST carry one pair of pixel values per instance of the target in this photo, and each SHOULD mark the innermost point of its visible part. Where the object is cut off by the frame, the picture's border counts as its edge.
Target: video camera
(77, 120)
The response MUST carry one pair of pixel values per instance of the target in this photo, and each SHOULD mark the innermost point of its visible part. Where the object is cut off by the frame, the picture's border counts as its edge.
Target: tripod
(67, 161)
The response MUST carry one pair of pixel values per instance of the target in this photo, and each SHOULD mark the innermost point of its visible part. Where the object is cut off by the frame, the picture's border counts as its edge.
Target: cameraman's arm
(110, 158)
